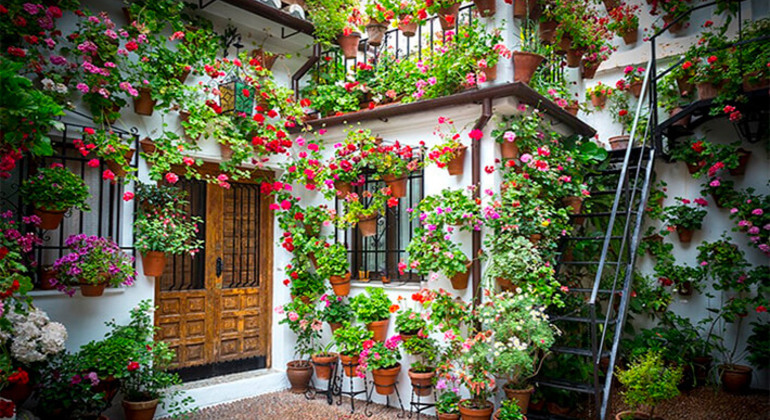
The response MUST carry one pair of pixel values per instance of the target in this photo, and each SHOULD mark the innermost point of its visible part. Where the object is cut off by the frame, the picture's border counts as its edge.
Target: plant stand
(419, 406)
(370, 413)
(351, 392)
(333, 385)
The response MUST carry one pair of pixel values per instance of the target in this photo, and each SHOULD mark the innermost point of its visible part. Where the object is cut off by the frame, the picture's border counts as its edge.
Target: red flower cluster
(19, 377)
(132, 366)
(697, 146)
(7, 408)
(11, 290)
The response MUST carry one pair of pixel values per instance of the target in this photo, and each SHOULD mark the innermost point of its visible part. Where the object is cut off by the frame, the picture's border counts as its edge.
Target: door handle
(219, 267)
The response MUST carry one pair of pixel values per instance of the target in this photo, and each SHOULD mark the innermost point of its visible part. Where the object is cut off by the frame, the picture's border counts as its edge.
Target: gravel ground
(699, 404)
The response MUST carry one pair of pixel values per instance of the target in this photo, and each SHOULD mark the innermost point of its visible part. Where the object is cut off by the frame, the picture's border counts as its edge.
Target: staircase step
(616, 155)
(578, 351)
(587, 263)
(568, 385)
(612, 171)
(585, 320)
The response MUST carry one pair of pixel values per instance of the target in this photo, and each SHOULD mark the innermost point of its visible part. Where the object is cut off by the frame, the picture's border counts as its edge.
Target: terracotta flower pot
(548, 31)
(611, 5)
(116, 167)
(743, 161)
(588, 69)
(619, 142)
(144, 410)
(17, 392)
(349, 44)
(702, 366)
(422, 383)
(468, 413)
(92, 290)
(226, 151)
(444, 416)
(574, 55)
(523, 8)
(46, 277)
(334, 326)
(375, 31)
(460, 280)
(299, 373)
(486, 8)
(408, 29)
(143, 104)
(521, 396)
(682, 122)
(685, 235)
(760, 84)
(349, 365)
(524, 65)
(379, 328)
(397, 185)
(153, 263)
(266, 59)
(148, 146)
(631, 36)
(707, 90)
(640, 415)
(574, 203)
(109, 385)
(572, 108)
(340, 284)
(490, 73)
(183, 75)
(564, 44)
(684, 85)
(509, 150)
(343, 188)
(446, 22)
(505, 284)
(675, 28)
(385, 379)
(49, 219)
(324, 365)
(636, 88)
(598, 101)
(693, 167)
(554, 408)
(735, 378)
(535, 238)
(368, 225)
(457, 164)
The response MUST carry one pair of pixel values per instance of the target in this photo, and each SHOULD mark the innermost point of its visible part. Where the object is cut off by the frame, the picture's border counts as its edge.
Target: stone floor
(700, 404)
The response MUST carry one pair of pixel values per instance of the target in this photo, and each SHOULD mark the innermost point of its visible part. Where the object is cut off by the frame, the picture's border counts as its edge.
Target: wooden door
(214, 308)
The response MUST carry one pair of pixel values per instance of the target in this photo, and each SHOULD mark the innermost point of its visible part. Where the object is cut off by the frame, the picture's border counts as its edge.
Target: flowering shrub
(752, 217)
(649, 381)
(55, 188)
(335, 309)
(33, 338)
(93, 260)
(303, 321)
(167, 230)
(688, 215)
(378, 355)
(16, 256)
(409, 321)
(475, 369)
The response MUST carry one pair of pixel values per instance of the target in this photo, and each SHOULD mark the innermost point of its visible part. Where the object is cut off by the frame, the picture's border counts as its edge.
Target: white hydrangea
(34, 336)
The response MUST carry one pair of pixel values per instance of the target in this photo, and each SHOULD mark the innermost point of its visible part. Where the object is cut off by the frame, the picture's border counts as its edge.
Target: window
(375, 258)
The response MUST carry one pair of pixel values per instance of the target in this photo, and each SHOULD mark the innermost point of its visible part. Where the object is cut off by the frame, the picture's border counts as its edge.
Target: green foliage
(303, 320)
(758, 345)
(330, 18)
(448, 403)
(336, 310)
(55, 188)
(648, 381)
(67, 389)
(409, 321)
(510, 410)
(167, 229)
(333, 261)
(686, 215)
(379, 355)
(426, 351)
(372, 306)
(514, 258)
(350, 339)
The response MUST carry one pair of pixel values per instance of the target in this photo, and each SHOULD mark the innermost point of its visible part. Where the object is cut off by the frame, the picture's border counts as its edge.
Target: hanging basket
(343, 188)
(49, 219)
(349, 44)
(588, 69)
(457, 164)
(448, 23)
(375, 31)
(153, 263)
(397, 185)
(143, 104)
(116, 167)
(460, 280)
(486, 8)
(524, 65)
(266, 59)
(619, 142)
(574, 55)
(368, 225)
(408, 29)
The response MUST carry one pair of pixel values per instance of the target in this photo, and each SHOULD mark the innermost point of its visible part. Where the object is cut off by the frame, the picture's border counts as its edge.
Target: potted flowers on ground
(686, 217)
(373, 308)
(509, 410)
(475, 369)
(94, 264)
(350, 343)
(165, 231)
(382, 359)
(53, 191)
(302, 319)
(648, 381)
(448, 403)
(333, 264)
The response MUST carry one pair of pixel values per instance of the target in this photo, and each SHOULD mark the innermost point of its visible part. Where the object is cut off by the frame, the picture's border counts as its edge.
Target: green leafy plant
(409, 321)
(333, 261)
(303, 320)
(335, 310)
(94, 260)
(686, 215)
(55, 188)
(649, 381)
(374, 305)
(509, 410)
(515, 259)
(350, 339)
(758, 345)
(448, 402)
(425, 350)
(379, 355)
(331, 17)
(167, 230)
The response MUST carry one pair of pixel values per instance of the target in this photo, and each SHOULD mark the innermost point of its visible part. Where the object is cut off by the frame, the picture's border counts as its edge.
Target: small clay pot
(448, 23)
(422, 382)
(379, 328)
(385, 379)
(349, 44)
(521, 396)
(735, 378)
(457, 164)
(153, 263)
(340, 284)
(324, 364)
(524, 65)
(299, 373)
(509, 150)
(397, 185)
(619, 142)
(685, 235)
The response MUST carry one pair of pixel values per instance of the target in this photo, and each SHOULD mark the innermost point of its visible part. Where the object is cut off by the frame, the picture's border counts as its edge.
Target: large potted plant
(475, 367)
(373, 308)
(423, 370)
(382, 359)
(648, 381)
(303, 321)
(93, 263)
(686, 217)
(53, 191)
(350, 343)
(522, 337)
(165, 231)
(333, 264)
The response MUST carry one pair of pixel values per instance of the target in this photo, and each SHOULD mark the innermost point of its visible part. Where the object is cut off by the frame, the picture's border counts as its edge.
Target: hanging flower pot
(226, 151)
(299, 373)
(144, 410)
(565, 44)
(397, 185)
(685, 288)
(574, 203)
(460, 280)
(408, 29)
(447, 16)
(470, 413)
(49, 219)
(375, 31)
(457, 164)
(490, 73)
(548, 31)
(636, 88)
(684, 85)
(735, 378)
(524, 65)
(523, 8)
(682, 122)
(349, 365)
(572, 108)
(619, 142)
(422, 382)
(349, 44)
(685, 235)
(143, 104)
(385, 379)
(343, 188)
(693, 167)
(379, 328)
(324, 364)
(588, 69)
(743, 161)
(340, 284)
(148, 146)
(153, 263)
(574, 55)
(598, 101)
(92, 290)
(368, 225)
(707, 90)
(610, 5)
(486, 8)
(509, 150)
(266, 59)
(675, 28)
(118, 168)
(521, 396)
(749, 85)
(334, 326)
(631, 36)
(505, 284)
(47, 276)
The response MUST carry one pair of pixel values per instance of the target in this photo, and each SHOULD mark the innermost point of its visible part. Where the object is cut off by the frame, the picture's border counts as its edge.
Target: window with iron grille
(375, 258)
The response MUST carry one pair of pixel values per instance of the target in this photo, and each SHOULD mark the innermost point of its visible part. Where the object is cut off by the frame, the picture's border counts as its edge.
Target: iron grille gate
(242, 239)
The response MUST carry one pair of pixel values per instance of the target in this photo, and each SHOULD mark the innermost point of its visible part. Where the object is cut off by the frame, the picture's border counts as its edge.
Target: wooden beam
(517, 89)
(276, 15)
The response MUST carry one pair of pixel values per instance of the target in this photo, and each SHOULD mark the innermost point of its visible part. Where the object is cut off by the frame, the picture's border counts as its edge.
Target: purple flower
(30, 8)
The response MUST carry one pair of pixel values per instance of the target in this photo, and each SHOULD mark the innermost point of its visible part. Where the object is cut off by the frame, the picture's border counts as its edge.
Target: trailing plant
(455, 207)
(168, 230)
(93, 260)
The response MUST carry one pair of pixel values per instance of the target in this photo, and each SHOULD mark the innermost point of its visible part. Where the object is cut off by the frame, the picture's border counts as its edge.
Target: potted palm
(165, 231)
(333, 264)
(350, 343)
(382, 359)
(373, 308)
(94, 264)
(303, 321)
(686, 217)
(52, 192)
(648, 381)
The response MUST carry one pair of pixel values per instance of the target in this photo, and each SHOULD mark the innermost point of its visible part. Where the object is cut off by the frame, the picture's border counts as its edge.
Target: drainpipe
(302, 71)
(486, 114)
